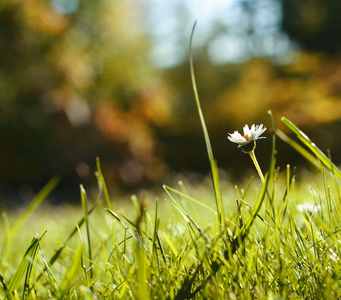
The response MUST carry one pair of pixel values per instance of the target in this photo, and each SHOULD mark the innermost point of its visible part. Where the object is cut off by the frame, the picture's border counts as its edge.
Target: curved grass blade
(312, 147)
(309, 157)
(213, 163)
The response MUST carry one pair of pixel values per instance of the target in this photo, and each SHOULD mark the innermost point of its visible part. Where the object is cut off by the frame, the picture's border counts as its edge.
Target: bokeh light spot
(65, 7)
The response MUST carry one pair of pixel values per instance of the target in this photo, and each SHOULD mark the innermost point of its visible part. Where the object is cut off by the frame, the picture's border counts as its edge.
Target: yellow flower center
(246, 136)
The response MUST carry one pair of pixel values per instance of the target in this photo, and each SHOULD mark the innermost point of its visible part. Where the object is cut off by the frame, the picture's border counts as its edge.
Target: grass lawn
(279, 239)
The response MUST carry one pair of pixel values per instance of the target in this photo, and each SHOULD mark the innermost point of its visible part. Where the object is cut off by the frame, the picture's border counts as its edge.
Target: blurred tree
(313, 24)
(76, 83)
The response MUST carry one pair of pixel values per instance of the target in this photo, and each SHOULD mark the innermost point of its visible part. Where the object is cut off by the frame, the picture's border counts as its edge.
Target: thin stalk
(86, 222)
(213, 163)
(254, 159)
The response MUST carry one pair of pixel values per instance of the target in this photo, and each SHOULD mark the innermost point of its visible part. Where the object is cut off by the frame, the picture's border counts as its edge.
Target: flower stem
(253, 157)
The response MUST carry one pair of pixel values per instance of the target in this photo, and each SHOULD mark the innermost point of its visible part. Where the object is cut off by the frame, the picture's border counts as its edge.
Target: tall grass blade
(312, 147)
(273, 149)
(87, 227)
(213, 163)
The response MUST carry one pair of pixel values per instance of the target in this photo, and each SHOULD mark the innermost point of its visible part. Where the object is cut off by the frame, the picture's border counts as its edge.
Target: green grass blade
(86, 222)
(101, 183)
(236, 242)
(71, 272)
(170, 244)
(51, 277)
(2, 280)
(29, 272)
(188, 197)
(309, 157)
(59, 251)
(154, 250)
(25, 264)
(74, 231)
(34, 204)
(115, 215)
(213, 163)
(313, 148)
(185, 215)
(156, 240)
(273, 149)
(246, 228)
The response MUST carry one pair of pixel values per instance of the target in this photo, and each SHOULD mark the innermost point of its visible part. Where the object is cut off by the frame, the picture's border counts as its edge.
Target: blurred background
(110, 78)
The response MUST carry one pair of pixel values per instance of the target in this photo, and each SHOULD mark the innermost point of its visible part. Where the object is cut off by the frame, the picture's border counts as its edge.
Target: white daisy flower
(250, 135)
(247, 142)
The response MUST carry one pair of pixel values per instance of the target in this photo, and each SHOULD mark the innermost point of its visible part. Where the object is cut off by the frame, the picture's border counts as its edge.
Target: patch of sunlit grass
(174, 248)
